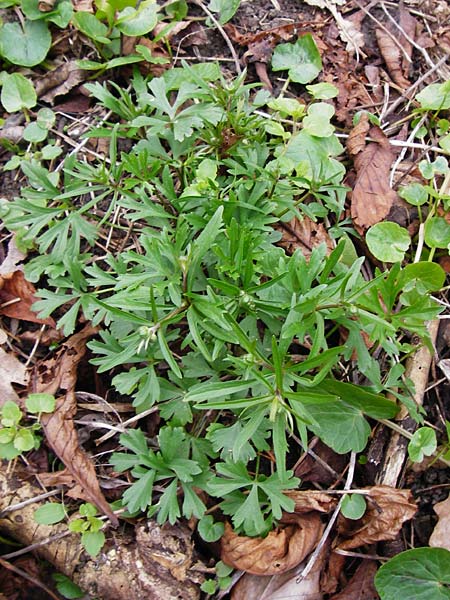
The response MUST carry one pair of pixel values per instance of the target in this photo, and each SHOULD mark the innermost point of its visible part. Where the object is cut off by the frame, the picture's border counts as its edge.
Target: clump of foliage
(205, 315)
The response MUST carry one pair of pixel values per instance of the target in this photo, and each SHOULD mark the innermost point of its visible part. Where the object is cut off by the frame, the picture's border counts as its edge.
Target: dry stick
(417, 369)
(222, 32)
(314, 556)
(28, 577)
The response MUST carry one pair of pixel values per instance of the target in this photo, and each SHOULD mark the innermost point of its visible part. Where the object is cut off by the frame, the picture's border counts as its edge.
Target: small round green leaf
(423, 443)
(11, 414)
(323, 91)
(34, 133)
(414, 193)
(421, 573)
(353, 506)
(46, 118)
(93, 542)
(49, 513)
(388, 241)
(17, 92)
(430, 275)
(7, 435)
(24, 440)
(26, 47)
(437, 232)
(135, 22)
(435, 96)
(301, 59)
(88, 24)
(317, 121)
(40, 403)
(66, 587)
(429, 169)
(50, 151)
(210, 531)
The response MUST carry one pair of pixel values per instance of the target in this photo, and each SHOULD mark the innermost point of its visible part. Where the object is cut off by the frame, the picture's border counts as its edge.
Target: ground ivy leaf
(353, 506)
(49, 513)
(17, 92)
(388, 241)
(27, 46)
(421, 573)
(302, 59)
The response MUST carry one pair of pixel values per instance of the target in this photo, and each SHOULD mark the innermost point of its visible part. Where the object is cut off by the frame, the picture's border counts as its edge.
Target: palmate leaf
(139, 496)
(249, 515)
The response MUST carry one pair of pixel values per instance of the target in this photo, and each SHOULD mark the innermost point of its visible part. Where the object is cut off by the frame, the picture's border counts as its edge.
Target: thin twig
(25, 575)
(222, 32)
(334, 516)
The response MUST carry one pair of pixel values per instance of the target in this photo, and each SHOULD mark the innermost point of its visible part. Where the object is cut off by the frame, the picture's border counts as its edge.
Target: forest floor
(378, 55)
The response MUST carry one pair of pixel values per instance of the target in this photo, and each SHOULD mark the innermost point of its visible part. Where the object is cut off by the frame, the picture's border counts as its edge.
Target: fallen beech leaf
(280, 551)
(11, 371)
(392, 57)
(440, 538)
(304, 234)
(372, 196)
(387, 509)
(17, 297)
(361, 585)
(59, 374)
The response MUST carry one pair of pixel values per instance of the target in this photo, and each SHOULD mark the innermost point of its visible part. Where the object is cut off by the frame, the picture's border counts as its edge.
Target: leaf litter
(283, 550)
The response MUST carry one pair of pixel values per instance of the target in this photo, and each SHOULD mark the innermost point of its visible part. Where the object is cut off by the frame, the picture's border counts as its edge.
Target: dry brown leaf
(283, 586)
(11, 371)
(304, 234)
(395, 47)
(440, 538)
(60, 81)
(372, 196)
(311, 500)
(312, 469)
(17, 296)
(387, 509)
(59, 375)
(361, 585)
(280, 551)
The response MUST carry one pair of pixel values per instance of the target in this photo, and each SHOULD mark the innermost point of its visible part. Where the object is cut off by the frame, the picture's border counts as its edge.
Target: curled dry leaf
(283, 586)
(11, 371)
(304, 234)
(372, 196)
(280, 551)
(17, 296)
(396, 48)
(311, 500)
(361, 585)
(440, 538)
(387, 509)
(60, 81)
(59, 375)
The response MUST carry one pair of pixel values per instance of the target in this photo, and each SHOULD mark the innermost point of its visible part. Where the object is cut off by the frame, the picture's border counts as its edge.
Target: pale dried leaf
(283, 586)
(387, 509)
(440, 538)
(14, 256)
(280, 551)
(361, 585)
(372, 195)
(11, 371)
(58, 375)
